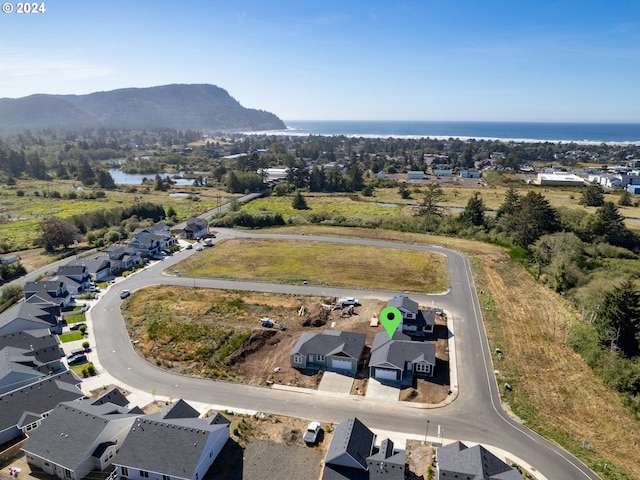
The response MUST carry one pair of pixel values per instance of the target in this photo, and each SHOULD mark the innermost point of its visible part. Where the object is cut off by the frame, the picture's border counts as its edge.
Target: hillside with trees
(201, 107)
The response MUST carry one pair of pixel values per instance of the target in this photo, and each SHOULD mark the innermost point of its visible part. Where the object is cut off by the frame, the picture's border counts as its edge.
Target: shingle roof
(400, 301)
(38, 398)
(393, 353)
(331, 342)
(114, 396)
(351, 444)
(154, 444)
(70, 429)
(41, 344)
(475, 463)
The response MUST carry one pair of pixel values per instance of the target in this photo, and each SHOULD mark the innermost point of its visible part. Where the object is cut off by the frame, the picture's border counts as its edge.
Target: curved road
(476, 414)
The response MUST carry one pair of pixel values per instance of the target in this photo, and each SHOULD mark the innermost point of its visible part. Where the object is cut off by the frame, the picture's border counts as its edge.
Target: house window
(422, 367)
(67, 473)
(298, 359)
(320, 358)
(166, 477)
(144, 474)
(125, 471)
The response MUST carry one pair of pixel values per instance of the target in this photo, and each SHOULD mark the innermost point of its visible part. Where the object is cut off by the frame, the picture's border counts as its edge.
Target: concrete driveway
(382, 393)
(335, 383)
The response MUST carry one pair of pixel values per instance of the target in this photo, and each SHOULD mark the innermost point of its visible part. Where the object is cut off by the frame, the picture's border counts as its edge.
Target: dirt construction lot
(193, 331)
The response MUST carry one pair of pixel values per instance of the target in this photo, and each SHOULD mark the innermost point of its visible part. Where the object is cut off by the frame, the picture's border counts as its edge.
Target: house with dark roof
(122, 257)
(457, 461)
(78, 437)
(98, 266)
(24, 409)
(50, 292)
(174, 443)
(30, 316)
(75, 277)
(330, 350)
(415, 320)
(161, 231)
(195, 229)
(40, 347)
(399, 358)
(353, 455)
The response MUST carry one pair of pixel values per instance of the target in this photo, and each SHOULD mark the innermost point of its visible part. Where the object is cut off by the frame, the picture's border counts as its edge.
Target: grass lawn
(75, 318)
(320, 263)
(70, 337)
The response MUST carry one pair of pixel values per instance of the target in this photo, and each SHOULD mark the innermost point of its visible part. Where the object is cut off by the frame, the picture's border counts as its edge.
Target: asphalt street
(475, 416)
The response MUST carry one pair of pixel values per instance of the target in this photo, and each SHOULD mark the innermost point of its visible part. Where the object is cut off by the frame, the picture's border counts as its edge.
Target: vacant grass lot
(554, 392)
(321, 263)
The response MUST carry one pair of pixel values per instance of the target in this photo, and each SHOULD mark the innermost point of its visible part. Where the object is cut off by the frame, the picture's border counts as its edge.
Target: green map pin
(390, 318)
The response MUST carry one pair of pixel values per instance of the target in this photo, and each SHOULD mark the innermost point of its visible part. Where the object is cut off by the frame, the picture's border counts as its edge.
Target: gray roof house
(98, 266)
(353, 455)
(75, 277)
(23, 409)
(78, 437)
(195, 229)
(160, 231)
(330, 350)
(123, 257)
(30, 316)
(40, 347)
(415, 321)
(398, 358)
(457, 461)
(53, 292)
(172, 444)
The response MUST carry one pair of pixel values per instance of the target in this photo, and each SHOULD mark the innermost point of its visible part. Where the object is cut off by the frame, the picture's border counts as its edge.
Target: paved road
(474, 416)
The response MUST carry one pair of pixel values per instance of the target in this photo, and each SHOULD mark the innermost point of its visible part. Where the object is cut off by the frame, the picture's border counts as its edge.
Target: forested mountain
(198, 107)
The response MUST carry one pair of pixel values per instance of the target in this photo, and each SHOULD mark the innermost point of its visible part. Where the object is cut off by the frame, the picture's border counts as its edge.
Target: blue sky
(344, 60)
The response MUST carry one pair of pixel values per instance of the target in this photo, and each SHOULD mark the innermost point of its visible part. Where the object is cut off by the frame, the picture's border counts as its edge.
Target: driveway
(378, 392)
(335, 383)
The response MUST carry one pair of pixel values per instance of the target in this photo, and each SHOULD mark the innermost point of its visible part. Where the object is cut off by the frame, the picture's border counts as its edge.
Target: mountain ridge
(202, 107)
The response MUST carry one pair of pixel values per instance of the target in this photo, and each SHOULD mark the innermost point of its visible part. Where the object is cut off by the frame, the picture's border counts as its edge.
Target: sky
(466, 60)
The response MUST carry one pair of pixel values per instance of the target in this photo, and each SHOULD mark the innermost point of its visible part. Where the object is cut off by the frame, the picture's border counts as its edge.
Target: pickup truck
(311, 435)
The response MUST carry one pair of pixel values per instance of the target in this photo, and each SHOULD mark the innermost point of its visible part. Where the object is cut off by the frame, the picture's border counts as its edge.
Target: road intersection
(475, 416)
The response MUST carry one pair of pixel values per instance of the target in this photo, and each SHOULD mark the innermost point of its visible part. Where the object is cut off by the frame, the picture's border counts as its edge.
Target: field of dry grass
(321, 263)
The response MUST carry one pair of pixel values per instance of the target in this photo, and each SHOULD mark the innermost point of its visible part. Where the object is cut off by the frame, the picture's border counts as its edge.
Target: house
(457, 461)
(415, 321)
(195, 229)
(75, 277)
(122, 257)
(98, 267)
(172, 444)
(158, 231)
(415, 175)
(330, 350)
(353, 455)
(50, 292)
(398, 358)
(29, 316)
(39, 348)
(24, 409)
(470, 173)
(78, 437)
(147, 246)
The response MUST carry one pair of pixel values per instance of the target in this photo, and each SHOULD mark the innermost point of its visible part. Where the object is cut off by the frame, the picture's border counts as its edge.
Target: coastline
(519, 132)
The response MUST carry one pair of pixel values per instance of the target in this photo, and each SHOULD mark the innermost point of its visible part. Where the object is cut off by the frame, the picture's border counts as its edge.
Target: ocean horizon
(565, 132)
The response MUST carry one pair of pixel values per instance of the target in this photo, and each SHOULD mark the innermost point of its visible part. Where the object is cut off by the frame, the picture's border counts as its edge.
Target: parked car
(199, 248)
(345, 302)
(77, 359)
(311, 435)
(76, 352)
(93, 288)
(76, 326)
(188, 247)
(125, 293)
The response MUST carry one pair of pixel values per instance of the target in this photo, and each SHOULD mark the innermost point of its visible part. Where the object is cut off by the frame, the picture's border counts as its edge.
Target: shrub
(85, 345)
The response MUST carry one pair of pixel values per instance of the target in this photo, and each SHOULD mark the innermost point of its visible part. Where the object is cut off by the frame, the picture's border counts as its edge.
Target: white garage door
(341, 364)
(386, 374)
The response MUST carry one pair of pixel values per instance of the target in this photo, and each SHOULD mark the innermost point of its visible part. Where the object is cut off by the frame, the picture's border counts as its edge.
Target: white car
(199, 248)
(345, 302)
(311, 435)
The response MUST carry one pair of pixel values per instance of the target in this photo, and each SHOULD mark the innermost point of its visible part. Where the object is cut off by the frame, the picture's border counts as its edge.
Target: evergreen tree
(625, 199)
(430, 208)
(608, 226)
(298, 202)
(474, 211)
(593, 195)
(617, 319)
(535, 217)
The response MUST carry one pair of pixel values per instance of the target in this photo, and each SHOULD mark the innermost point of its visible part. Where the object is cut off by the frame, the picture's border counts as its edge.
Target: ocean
(581, 133)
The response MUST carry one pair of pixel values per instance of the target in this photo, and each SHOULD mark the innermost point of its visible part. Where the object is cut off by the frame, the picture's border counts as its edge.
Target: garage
(386, 374)
(338, 364)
